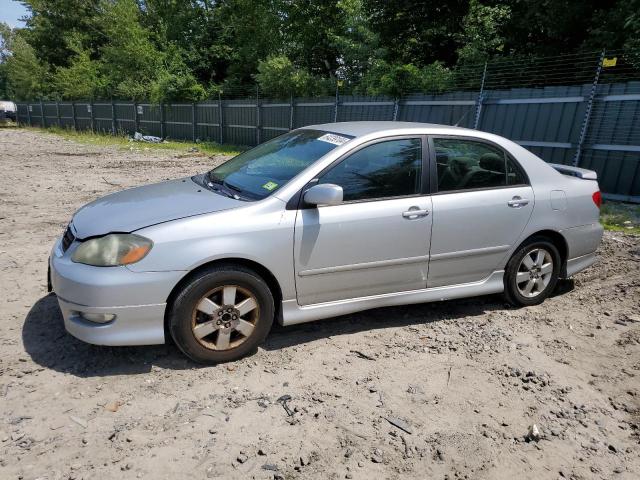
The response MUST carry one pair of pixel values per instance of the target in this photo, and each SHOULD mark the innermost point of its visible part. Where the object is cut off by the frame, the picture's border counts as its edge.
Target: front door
(377, 240)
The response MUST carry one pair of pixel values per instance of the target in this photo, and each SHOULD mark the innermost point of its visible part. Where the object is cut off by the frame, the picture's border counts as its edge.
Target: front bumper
(138, 300)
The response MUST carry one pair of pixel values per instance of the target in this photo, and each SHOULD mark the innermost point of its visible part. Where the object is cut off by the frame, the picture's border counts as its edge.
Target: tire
(540, 279)
(222, 314)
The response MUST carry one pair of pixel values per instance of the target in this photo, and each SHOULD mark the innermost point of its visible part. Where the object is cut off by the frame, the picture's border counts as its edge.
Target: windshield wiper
(231, 187)
(214, 183)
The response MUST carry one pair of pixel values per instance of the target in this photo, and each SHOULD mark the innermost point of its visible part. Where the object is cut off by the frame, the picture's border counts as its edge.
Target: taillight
(597, 199)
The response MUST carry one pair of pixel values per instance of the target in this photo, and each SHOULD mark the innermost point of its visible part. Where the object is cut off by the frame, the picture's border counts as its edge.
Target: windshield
(258, 172)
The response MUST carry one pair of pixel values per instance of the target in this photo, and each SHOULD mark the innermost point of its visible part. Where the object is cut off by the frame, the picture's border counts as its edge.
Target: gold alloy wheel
(225, 317)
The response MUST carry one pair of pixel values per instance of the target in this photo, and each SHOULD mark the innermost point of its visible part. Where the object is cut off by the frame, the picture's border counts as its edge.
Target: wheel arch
(558, 241)
(261, 270)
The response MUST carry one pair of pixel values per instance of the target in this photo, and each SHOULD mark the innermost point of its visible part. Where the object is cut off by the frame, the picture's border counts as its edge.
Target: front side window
(258, 172)
(386, 169)
(466, 164)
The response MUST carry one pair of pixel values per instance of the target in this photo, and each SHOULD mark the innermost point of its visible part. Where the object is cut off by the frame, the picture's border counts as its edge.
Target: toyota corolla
(322, 221)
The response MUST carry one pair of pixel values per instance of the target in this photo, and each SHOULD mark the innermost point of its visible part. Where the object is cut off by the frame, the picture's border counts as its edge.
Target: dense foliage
(191, 49)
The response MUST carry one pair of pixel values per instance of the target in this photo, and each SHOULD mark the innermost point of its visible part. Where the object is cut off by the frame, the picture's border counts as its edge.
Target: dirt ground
(442, 390)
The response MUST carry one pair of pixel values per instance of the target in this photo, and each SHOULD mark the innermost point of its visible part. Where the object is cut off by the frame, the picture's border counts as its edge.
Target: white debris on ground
(138, 137)
(461, 389)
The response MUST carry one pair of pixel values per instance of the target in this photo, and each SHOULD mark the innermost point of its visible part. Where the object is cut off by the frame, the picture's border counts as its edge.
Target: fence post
(335, 110)
(136, 120)
(258, 126)
(58, 114)
(91, 116)
(396, 106)
(29, 113)
(44, 122)
(161, 120)
(587, 113)
(220, 118)
(291, 106)
(73, 115)
(193, 122)
(113, 117)
(476, 120)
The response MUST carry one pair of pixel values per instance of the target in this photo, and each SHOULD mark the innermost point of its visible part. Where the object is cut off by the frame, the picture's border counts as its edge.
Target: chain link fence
(579, 109)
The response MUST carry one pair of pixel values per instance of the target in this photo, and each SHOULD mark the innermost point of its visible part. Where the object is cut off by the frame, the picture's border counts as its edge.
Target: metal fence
(582, 110)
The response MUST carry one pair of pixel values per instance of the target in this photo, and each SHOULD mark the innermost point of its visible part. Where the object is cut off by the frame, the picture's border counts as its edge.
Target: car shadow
(50, 346)
(387, 317)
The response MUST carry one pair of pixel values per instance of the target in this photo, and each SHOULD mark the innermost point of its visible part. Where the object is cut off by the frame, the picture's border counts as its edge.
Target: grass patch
(620, 217)
(123, 141)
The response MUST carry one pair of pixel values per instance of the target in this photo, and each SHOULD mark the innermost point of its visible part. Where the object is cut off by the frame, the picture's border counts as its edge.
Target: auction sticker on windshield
(269, 185)
(333, 138)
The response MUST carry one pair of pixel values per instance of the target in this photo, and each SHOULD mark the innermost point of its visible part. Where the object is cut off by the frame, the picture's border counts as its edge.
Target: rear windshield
(259, 172)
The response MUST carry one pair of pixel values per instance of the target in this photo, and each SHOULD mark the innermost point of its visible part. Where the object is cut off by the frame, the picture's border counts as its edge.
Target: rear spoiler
(575, 171)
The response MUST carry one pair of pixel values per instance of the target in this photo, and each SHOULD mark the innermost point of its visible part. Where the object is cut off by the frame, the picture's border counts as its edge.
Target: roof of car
(358, 129)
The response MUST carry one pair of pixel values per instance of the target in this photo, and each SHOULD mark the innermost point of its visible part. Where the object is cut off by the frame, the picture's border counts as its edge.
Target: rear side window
(386, 169)
(466, 165)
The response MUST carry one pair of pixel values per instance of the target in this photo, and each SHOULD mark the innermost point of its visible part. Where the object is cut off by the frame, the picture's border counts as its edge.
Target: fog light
(98, 317)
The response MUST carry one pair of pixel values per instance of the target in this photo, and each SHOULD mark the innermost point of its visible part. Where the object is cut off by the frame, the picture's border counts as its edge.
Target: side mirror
(324, 194)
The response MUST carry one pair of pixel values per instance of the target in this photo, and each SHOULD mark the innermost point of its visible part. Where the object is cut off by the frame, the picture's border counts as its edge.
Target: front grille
(67, 238)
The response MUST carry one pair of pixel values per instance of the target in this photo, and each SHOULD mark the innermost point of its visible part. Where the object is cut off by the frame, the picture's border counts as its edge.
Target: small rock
(242, 457)
(376, 456)
(112, 406)
(533, 435)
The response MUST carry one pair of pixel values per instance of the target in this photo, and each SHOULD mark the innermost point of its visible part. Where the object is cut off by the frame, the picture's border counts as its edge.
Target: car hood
(141, 207)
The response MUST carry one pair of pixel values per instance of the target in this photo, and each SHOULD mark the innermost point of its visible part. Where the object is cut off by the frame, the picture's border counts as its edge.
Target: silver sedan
(322, 221)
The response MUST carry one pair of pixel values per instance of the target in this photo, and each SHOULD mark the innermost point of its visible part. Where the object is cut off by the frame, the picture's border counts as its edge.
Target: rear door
(377, 240)
(482, 202)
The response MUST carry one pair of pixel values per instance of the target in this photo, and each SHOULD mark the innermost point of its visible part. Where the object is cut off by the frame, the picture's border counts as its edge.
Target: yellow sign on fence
(609, 62)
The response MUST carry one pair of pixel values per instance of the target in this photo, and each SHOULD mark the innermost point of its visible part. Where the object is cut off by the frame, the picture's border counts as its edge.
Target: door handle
(518, 202)
(415, 212)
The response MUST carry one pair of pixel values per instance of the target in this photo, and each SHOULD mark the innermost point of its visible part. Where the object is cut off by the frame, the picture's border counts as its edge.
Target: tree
(398, 79)
(357, 45)
(24, 75)
(83, 77)
(132, 62)
(253, 30)
(418, 33)
(51, 22)
(175, 81)
(279, 78)
(185, 49)
(481, 32)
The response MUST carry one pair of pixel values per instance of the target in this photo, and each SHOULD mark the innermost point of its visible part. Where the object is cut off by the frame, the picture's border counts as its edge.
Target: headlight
(113, 249)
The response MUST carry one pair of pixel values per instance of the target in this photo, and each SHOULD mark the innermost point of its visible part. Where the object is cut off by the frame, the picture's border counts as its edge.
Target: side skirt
(292, 313)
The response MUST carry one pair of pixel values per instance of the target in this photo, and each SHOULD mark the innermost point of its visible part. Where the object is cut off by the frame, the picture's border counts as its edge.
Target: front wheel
(222, 314)
(532, 273)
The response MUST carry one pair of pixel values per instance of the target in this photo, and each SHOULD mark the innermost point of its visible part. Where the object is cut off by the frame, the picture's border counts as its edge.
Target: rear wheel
(532, 272)
(222, 314)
